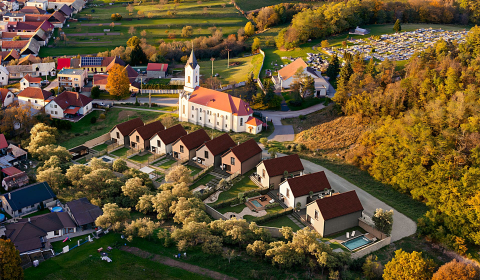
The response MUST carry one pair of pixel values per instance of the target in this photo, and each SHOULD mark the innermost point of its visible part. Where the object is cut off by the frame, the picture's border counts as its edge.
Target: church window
(188, 79)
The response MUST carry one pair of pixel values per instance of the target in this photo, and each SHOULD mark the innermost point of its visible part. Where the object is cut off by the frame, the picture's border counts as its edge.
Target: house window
(206, 154)
(288, 193)
(57, 232)
(159, 144)
(200, 110)
(193, 108)
(181, 149)
(55, 106)
(183, 109)
(232, 161)
(226, 117)
(263, 173)
(36, 101)
(118, 135)
(208, 120)
(226, 126)
(138, 139)
(192, 116)
(241, 122)
(316, 214)
(200, 118)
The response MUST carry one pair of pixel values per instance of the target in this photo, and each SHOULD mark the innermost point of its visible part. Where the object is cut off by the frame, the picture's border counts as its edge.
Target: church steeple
(192, 73)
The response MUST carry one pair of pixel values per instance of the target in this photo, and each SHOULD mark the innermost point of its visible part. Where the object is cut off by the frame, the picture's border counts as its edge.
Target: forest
(425, 136)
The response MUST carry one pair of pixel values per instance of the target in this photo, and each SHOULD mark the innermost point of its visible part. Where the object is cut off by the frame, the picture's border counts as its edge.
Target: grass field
(141, 159)
(194, 170)
(203, 181)
(83, 130)
(168, 164)
(237, 73)
(120, 152)
(100, 147)
(248, 5)
(240, 187)
(84, 263)
(307, 102)
(58, 246)
(280, 222)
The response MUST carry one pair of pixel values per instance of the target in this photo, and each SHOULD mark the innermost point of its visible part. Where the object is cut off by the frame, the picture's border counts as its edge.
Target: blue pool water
(57, 209)
(256, 203)
(353, 244)
(2, 217)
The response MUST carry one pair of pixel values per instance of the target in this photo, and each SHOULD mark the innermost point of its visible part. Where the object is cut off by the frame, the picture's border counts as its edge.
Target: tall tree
(10, 261)
(408, 266)
(397, 27)
(249, 29)
(118, 83)
(137, 56)
(457, 270)
(333, 67)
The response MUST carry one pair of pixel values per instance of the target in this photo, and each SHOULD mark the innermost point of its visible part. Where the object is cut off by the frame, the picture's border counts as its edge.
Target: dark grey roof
(83, 211)
(192, 60)
(312, 71)
(29, 195)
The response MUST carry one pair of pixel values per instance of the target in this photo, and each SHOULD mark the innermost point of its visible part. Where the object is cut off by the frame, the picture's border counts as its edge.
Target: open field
(238, 73)
(248, 5)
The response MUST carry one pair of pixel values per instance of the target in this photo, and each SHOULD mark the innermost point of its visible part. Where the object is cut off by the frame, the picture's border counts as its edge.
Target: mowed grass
(120, 152)
(141, 159)
(84, 263)
(240, 187)
(100, 147)
(168, 164)
(248, 5)
(203, 181)
(235, 73)
(58, 245)
(282, 221)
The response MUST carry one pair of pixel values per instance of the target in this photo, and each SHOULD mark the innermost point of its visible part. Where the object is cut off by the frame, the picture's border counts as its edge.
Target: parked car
(133, 94)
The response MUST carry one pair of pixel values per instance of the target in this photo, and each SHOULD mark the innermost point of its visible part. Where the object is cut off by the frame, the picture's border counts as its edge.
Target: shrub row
(272, 216)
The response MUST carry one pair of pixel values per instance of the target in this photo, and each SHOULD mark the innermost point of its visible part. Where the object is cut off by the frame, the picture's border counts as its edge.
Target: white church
(211, 108)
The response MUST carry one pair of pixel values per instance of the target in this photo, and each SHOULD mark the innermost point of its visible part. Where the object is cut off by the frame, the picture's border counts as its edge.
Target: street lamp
(266, 120)
(212, 59)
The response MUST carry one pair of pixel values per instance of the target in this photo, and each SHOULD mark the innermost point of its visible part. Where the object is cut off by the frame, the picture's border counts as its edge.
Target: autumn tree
(53, 176)
(10, 262)
(257, 248)
(113, 216)
(134, 188)
(324, 44)
(191, 235)
(383, 220)
(249, 29)
(455, 270)
(131, 30)
(161, 203)
(141, 14)
(255, 45)
(41, 135)
(137, 56)
(408, 266)
(119, 165)
(16, 116)
(142, 227)
(48, 151)
(118, 83)
(397, 27)
(187, 210)
(145, 204)
(372, 268)
(187, 31)
(178, 174)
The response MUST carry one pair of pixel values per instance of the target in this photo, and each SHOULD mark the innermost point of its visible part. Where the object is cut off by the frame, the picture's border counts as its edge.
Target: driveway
(53, 84)
(282, 133)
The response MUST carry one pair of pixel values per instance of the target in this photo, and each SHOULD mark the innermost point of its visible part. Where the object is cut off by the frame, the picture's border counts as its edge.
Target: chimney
(29, 220)
(238, 143)
(9, 196)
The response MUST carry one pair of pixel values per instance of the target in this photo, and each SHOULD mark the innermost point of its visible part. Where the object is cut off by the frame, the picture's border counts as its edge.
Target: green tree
(249, 29)
(408, 266)
(134, 188)
(383, 220)
(137, 56)
(333, 68)
(95, 92)
(255, 45)
(187, 31)
(113, 217)
(119, 165)
(10, 262)
(397, 27)
(372, 268)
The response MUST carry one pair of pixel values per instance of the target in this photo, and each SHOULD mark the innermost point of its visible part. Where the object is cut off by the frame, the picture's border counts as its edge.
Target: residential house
(10, 171)
(15, 181)
(70, 106)
(28, 199)
(6, 97)
(34, 96)
(29, 59)
(96, 64)
(29, 81)
(33, 10)
(211, 108)
(271, 172)
(334, 213)
(162, 141)
(30, 235)
(303, 189)
(254, 125)
(66, 11)
(7, 56)
(57, 19)
(14, 45)
(185, 147)
(140, 137)
(14, 16)
(9, 36)
(12, 5)
(75, 5)
(210, 153)
(157, 70)
(30, 26)
(41, 4)
(131, 73)
(242, 158)
(79, 152)
(120, 133)
(3, 75)
(72, 78)
(3, 145)
(35, 70)
(83, 212)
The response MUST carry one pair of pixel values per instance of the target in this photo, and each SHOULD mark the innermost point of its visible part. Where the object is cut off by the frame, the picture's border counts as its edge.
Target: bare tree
(131, 30)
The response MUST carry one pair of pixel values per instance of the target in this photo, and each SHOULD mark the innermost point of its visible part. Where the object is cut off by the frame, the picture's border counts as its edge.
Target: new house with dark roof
(83, 212)
(162, 141)
(303, 189)
(140, 137)
(28, 199)
(120, 133)
(210, 153)
(334, 213)
(185, 147)
(70, 106)
(242, 158)
(270, 172)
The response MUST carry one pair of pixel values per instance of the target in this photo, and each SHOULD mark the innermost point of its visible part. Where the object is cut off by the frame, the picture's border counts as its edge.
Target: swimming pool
(356, 242)
(256, 203)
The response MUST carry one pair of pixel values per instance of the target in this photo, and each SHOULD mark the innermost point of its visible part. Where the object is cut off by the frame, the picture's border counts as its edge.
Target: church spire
(192, 60)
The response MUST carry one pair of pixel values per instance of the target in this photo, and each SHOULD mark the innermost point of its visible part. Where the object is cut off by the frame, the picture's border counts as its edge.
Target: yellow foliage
(118, 83)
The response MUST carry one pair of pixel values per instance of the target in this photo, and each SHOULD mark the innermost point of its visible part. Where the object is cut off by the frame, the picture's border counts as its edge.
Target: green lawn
(84, 263)
(307, 102)
(168, 164)
(194, 170)
(120, 152)
(83, 130)
(242, 186)
(141, 159)
(58, 246)
(235, 209)
(41, 212)
(203, 181)
(82, 160)
(269, 211)
(248, 5)
(100, 148)
(280, 222)
(237, 73)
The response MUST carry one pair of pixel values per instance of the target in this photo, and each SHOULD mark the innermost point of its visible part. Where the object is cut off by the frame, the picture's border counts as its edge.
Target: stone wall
(372, 248)
(97, 141)
(214, 213)
(369, 228)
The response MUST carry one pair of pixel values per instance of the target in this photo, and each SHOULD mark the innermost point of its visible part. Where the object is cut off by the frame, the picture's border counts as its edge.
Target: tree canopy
(118, 83)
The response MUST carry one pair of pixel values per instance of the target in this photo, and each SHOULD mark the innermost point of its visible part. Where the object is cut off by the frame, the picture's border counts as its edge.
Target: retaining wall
(372, 248)
(214, 213)
(97, 141)
(369, 228)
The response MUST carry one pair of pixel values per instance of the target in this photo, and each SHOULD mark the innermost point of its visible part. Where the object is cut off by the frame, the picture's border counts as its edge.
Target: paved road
(282, 133)
(169, 102)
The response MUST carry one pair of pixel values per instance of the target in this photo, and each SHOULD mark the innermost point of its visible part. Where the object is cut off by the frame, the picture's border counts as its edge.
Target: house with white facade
(162, 141)
(120, 133)
(41, 4)
(3, 75)
(211, 108)
(28, 199)
(29, 81)
(6, 97)
(301, 190)
(35, 70)
(70, 106)
(34, 96)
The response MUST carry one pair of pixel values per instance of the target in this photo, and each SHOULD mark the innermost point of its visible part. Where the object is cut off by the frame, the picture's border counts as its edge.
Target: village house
(185, 147)
(299, 191)
(14, 16)
(32, 10)
(3, 75)
(271, 172)
(28, 199)
(30, 235)
(35, 70)
(41, 4)
(15, 181)
(101, 80)
(157, 70)
(162, 141)
(334, 213)
(70, 106)
(120, 133)
(6, 57)
(66, 11)
(29, 59)
(29, 81)
(83, 212)
(242, 158)
(210, 153)
(140, 137)
(6, 97)
(211, 108)
(95, 65)
(72, 78)
(34, 96)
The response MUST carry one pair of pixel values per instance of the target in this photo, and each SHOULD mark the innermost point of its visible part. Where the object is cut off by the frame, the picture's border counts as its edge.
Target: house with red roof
(211, 108)
(242, 158)
(34, 96)
(157, 70)
(162, 141)
(301, 190)
(101, 80)
(29, 81)
(210, 153)
(271, 172)
(3, 144)
(6, 97)
(140, 136)
(335, 213)
(120, 133)
(185, 147)
(69, 105)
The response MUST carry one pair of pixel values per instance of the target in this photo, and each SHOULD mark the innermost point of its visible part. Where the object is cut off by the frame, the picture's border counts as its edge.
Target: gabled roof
(100, 79)
(31, 79)
(11, 35)
(32, 10)
(219, 145)
(63, 63)
(32, 45)
(110, 61)
(26, 26)
(254, 121)
(148, 130)
(303, 185)
(339, 205)
(69, 98)
(66, 10)
(16, 151)
(83, 211)
(290, 70)
(57, 17)
(9, 55)
(17, 45)
(246, 150)
(195, 139)
(3, 142)
(127, 127)
(277, 166)
(171, 134)
(157, 67)
(192, 60)
(131, 73)
(27, 60)
(37, 17)
(36, 93)
(9, 171)
(21, 177)
(3, 95)
(29, 195)
(221, 101)
(46, 26)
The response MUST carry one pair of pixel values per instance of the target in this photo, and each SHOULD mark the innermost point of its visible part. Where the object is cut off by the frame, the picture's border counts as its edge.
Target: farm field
(239, 72)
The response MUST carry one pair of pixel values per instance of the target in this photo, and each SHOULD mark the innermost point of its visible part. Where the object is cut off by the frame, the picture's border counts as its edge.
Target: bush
(93, 120)
(61, 124)
(302, 117)
(154, 105)
(116, 17)
(295, 103)
(102, 116)
(95, 92)
(272, 205)
(272, 216)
